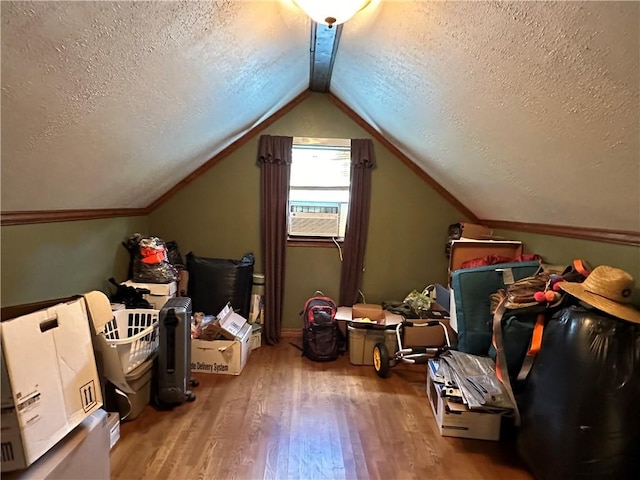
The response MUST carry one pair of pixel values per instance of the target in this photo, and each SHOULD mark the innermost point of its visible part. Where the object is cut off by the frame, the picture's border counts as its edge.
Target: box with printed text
(224, 356)
(50, 382)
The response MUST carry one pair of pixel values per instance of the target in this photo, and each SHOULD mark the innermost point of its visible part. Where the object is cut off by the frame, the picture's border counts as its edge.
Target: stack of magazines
(471, 380)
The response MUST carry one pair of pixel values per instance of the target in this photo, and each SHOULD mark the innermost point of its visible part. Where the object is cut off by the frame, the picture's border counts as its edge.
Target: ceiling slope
(121, 100)
(523, 111)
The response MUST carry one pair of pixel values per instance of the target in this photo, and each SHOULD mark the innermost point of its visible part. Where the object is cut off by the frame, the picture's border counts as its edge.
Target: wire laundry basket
(134, 334)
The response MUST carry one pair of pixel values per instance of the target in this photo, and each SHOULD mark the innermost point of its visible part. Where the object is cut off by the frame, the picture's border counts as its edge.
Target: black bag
(580, 416)
(214, 282)
(149, 262)
(131, 297)
(321, 337)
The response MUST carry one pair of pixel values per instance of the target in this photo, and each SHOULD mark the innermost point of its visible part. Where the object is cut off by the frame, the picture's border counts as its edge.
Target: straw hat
(608, 289)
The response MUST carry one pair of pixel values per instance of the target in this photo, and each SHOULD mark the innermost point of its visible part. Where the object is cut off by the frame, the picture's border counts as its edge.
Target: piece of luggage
(472, 289)
(321, 336)
(174, 356)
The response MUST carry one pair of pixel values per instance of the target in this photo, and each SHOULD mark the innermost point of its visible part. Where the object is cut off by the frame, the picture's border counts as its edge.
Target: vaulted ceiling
(524, 111)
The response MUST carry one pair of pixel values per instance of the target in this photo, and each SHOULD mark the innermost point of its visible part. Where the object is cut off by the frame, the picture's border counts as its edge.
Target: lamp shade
(331, 12)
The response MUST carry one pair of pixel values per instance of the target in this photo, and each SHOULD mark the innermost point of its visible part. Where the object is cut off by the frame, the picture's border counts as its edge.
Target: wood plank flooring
(286, 417)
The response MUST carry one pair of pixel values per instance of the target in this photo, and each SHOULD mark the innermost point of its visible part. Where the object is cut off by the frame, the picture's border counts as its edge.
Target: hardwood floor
(286, 417)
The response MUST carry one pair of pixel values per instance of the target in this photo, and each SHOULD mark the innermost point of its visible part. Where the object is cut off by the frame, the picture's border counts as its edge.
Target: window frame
(312, 241)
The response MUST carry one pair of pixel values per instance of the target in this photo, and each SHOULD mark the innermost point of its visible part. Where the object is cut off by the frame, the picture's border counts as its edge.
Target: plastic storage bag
(214, 282)
(580, 414)
(149, 260)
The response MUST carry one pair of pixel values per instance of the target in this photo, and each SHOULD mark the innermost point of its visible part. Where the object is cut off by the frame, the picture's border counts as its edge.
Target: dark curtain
(355, 238)
(274, 159)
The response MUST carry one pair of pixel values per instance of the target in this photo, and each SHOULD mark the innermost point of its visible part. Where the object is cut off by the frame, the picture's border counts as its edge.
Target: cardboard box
(160, 292)
(82, 454)
(226, 325)
(230, 321)
(475, 231)
(345, 315)
(50, 382)
(256, 310)
(368, 310)
(465, 250)
(221, 356)
(424, 336)
(456, 420)
(256, 336)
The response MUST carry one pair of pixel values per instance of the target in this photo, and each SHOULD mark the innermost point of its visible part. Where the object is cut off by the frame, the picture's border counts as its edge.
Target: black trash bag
(174, 255)
(214, 282)
(131, 244)
(149, 262)
(580, 414)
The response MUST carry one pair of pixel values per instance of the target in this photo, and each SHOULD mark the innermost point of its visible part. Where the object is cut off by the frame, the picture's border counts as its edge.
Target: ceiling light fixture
(331, 12)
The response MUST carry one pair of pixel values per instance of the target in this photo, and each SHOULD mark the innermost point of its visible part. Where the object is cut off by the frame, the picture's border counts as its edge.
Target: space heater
(174, 353)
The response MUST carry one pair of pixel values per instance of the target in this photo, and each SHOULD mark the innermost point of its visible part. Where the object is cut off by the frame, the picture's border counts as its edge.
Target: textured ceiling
(124, 99)
(524, 111)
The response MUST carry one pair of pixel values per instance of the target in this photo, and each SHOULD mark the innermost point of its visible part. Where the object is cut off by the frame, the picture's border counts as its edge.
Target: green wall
(217, 215)
(55, 260)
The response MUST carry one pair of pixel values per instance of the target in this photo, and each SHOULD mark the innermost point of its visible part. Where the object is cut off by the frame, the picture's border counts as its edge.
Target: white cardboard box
(222, 356)
(456, 420)
(230, 321)
(160, 292)
(50, 383)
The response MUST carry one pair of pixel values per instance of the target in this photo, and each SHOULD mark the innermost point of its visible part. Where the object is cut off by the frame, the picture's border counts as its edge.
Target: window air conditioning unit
(314, 224)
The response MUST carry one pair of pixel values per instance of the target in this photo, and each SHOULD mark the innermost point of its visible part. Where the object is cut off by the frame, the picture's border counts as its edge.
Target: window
(319, 187)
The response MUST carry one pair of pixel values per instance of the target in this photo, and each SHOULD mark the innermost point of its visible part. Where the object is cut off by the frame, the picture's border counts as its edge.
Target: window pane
(331, 195)
(320, 167)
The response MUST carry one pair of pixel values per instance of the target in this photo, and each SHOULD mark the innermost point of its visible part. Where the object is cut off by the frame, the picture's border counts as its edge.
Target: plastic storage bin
(134, 334)
(362, 341)
(130, 405)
